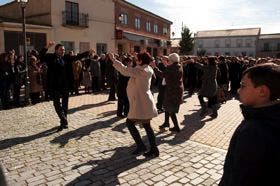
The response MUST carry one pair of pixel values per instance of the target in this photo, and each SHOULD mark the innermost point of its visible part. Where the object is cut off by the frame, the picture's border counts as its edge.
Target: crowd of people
(133, 77)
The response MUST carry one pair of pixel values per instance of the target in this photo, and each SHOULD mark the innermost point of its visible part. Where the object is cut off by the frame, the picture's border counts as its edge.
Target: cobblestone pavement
(96, 148)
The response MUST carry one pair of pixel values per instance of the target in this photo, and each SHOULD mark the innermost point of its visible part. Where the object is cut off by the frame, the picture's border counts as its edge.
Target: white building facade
(233, 42)
(79, 25)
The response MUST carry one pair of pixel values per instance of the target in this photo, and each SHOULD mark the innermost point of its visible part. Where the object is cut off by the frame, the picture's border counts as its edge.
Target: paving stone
(158, 178)
(184, 180)
(171, 179)
(197, 181)
(95, 149)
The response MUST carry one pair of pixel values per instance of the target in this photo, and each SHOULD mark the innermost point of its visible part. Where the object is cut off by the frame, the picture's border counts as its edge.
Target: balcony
(69, 19)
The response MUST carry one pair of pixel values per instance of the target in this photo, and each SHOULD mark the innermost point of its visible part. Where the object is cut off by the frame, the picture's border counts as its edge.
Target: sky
(200, 15)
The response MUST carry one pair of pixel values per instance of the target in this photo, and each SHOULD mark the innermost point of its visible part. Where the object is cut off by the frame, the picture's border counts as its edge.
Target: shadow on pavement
(192, 123)
(89, 106)
(106, 171)
(107, 114)
(83, 131)
(7, 143)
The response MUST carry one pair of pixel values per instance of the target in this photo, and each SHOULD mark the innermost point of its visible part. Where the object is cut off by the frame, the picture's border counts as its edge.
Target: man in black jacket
(59, 77)
(254, 155)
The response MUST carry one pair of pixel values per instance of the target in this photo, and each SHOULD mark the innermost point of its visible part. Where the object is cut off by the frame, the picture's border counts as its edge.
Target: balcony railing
(77, 20)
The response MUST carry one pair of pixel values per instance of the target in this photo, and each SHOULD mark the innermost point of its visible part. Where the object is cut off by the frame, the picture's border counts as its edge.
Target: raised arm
(126, 71)
(43, 53)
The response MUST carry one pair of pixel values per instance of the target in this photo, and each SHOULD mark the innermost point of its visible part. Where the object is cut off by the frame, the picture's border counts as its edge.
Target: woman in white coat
(142, 107)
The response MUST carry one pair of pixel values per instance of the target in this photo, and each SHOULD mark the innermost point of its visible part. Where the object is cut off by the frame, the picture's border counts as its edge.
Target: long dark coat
(173, 95)
(209, 85)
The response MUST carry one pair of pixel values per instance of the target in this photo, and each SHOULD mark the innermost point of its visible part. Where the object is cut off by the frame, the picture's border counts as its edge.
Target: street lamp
(23, 4)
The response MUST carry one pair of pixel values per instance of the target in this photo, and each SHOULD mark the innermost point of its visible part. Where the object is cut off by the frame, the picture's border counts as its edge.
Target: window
(164, 30)
(148, 26)
(243, 53)
(217, 43)
(165, 51)
(155, 28)
(278, 46)
(149, 50)
(84, 46)
(123, 18)
(137, 49)
(69, 45)
(239, 42)
(200, 44)
(248, 42)
(72, 13)
(266, 47)
(227, 43)
(101, 48)
(137, 23)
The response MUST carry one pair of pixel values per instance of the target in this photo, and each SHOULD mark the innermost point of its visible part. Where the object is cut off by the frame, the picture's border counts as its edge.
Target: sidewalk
(95, 150)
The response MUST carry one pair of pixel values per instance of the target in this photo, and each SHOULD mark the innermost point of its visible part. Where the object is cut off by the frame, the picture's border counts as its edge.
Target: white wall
(209, 44)
(101, 23)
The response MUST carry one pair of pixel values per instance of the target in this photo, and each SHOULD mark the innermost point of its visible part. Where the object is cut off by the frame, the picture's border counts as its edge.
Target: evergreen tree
(186, 44)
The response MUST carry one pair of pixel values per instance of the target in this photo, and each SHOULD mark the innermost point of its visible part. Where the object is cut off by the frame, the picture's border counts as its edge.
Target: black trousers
(95, 84)
(211, 101)
(60, 102)
(123, 105)
(136, 135)
(160, 97)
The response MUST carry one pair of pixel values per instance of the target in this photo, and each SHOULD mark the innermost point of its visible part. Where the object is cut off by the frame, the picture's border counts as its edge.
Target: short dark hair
(266, 74)
(145, 57)
(57, 46)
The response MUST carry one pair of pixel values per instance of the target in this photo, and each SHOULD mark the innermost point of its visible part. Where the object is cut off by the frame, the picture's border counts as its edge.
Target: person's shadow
(83, 131)
(89, 106)
(191, 123)
(106, 171)
(7, 143)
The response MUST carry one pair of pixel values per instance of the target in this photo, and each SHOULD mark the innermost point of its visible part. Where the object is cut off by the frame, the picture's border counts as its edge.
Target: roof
(137, 7)
(175, 42)
(229, 32)
(270, 36)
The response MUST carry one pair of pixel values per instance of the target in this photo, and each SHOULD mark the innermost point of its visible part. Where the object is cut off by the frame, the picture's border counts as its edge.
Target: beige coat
(34, 79)
(141, 101)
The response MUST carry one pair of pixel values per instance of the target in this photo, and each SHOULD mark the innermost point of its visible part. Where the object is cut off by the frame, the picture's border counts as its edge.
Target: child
(253, 156)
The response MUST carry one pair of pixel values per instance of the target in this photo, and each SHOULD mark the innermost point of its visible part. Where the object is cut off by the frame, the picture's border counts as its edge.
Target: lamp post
(23, 4)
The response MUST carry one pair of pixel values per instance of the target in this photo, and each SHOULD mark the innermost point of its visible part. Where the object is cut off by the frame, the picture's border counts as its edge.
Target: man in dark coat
(58, 78)
(253, 156)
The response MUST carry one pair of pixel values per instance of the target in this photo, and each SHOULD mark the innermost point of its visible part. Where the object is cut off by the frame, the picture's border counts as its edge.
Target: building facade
(234, 42)
(79, 25)
(175, 45)
(137, 29)
(269, 45)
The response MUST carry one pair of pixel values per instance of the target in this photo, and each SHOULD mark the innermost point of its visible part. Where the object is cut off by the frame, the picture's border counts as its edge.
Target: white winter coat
(141, 101)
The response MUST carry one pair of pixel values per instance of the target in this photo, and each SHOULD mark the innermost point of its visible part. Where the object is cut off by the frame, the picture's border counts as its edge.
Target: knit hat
(174, 57)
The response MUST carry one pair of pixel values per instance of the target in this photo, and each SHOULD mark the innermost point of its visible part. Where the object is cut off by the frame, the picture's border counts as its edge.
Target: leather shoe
(139, 151)
(60, 128)
(153, 153)
(174, 129)
(164, 125)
